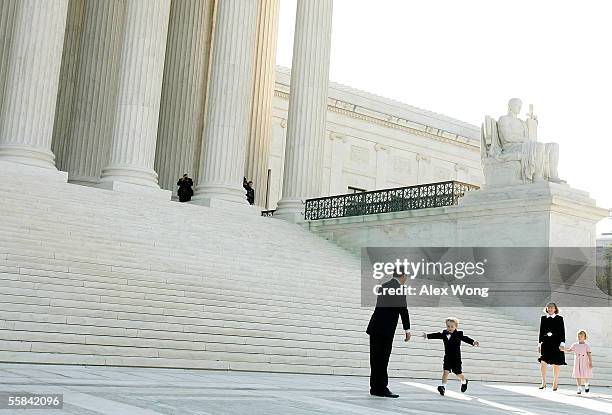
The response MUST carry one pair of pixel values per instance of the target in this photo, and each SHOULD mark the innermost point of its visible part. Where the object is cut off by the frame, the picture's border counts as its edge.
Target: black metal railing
(268, 212)
(421, 196)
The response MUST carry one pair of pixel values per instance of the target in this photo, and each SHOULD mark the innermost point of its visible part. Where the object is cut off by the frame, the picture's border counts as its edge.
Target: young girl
(583, 362)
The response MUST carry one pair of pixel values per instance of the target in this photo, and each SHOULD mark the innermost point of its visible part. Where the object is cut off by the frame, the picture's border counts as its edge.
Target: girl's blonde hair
(586, 336)
(452, 320)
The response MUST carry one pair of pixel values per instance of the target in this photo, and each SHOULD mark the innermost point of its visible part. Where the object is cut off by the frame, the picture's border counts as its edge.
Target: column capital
(337, 137)
(461, 167)
(380, 147)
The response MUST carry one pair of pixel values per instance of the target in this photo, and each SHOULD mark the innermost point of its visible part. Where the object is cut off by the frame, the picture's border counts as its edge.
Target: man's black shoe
(464, 386)
(441, 389)
(385, 394)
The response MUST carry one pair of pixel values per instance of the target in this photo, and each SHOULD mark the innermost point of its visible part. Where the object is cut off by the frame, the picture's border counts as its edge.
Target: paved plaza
(143, 391)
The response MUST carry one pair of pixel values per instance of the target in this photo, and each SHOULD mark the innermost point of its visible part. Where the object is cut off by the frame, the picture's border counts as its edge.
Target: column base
(83, 180)
(224, 197)
(11, 169)
(129, 174)
(29, 156)
(290, 210)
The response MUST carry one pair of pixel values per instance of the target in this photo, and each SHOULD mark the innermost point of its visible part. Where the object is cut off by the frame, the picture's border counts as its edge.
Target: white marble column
(32, 33)
(307, 108)
(137, 112)
(258, 147)
(181, 116)
(67, 81)
(228, 107)
(87, 141)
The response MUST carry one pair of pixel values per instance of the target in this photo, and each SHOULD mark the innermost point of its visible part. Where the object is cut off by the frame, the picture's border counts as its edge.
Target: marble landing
(92, 390)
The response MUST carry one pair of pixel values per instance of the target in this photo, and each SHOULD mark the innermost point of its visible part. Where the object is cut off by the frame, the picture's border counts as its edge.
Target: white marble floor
(91, 390)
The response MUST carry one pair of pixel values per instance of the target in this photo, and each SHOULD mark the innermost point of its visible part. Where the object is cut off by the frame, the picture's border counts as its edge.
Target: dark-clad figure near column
(185, 190)
(389, 307)
(551, 339)
(250, 191)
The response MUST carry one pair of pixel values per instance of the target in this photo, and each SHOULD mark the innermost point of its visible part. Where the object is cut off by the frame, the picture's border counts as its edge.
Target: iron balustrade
(421, 196)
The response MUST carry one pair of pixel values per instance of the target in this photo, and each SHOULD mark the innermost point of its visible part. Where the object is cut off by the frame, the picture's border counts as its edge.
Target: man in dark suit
(390, 305)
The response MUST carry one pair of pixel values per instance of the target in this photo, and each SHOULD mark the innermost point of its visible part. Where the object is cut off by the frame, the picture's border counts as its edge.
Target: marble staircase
(90, 276)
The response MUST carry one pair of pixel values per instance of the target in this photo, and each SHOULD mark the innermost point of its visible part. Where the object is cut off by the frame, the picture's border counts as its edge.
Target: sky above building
(465, 59)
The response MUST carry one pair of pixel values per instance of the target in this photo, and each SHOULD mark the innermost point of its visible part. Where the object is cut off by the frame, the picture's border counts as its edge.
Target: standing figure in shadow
(551, 341)
(390, 305)
(185, 190)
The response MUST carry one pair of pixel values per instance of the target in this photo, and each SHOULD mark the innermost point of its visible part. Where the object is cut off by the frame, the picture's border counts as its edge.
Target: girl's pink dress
(581, 361)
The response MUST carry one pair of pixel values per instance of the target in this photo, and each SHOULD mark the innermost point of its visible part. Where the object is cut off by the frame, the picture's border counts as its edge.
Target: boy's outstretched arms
(469, 340)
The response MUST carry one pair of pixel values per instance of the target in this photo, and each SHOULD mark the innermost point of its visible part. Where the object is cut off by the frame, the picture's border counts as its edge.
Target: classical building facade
(376, 143)
(129, 95)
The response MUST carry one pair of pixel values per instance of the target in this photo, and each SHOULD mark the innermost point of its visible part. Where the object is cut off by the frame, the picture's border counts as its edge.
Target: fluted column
(32, 38)
(140, 81)
(307, 108)
(87, 140)
(228, 108)
(181, 116)
(67, 81)
(260, 132)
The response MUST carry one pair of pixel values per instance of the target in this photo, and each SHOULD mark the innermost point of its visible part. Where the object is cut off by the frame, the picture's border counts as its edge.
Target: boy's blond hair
(586, 336)
(452, 320)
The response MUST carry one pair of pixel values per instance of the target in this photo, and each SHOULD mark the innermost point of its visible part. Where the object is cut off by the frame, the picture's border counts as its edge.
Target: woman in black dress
(552, 337)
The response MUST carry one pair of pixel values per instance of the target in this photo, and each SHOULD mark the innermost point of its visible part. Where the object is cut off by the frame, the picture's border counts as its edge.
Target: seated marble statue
(511, 153)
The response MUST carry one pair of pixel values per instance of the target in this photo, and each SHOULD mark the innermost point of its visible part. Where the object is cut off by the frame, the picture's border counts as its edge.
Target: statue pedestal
(533, 214)
(502, 173)
(540, 214)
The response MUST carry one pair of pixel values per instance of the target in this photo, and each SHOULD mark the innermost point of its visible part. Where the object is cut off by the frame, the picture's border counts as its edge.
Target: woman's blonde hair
(586, 336)
(452, 320)
(551, 304)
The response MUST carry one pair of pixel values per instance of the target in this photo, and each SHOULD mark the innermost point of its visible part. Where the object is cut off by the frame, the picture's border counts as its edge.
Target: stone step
(394, 372)
(193, 286)
(206, 319)
(251, 302)
(74, 333)
(246, 353)
(334, 357)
